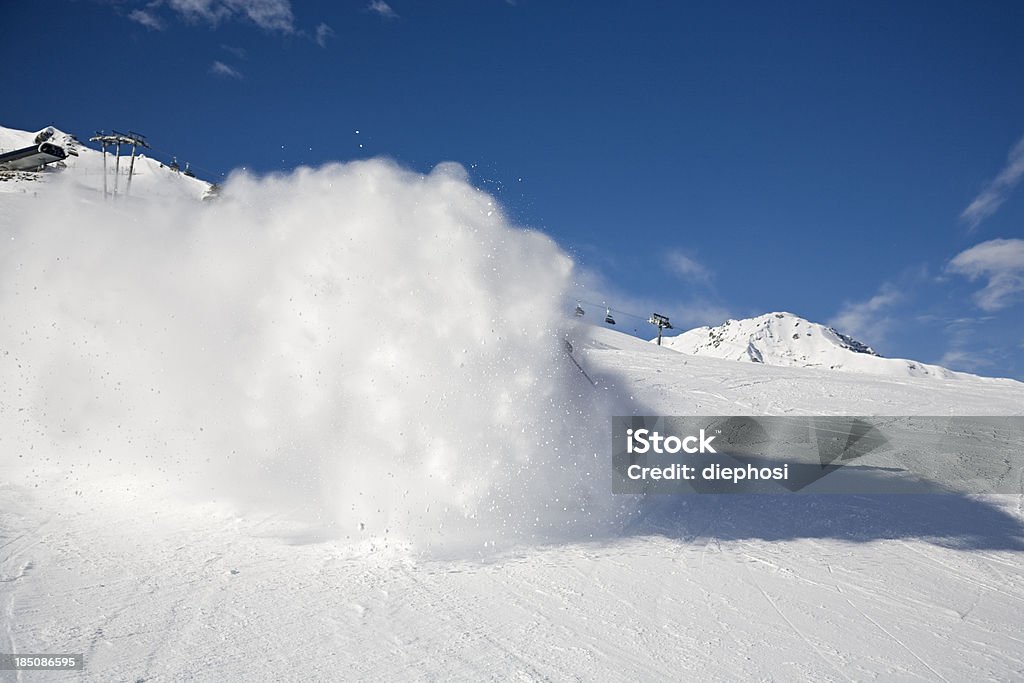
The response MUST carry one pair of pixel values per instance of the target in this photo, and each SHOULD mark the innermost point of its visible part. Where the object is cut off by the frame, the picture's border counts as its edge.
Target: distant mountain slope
(788, 340)
(150, 178)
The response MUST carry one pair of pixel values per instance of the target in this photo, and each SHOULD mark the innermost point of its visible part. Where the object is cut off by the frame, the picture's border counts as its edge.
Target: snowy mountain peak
(783, 329)
(785, 339)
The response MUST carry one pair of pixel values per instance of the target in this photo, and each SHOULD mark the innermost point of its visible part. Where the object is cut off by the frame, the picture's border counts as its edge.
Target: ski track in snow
(150, 589)
(643, 605)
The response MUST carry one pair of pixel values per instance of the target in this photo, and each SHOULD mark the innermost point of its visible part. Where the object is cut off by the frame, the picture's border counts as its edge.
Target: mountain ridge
(784, 339)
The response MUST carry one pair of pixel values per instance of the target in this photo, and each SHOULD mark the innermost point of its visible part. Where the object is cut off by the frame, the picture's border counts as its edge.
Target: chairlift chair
(579, 310)
(608, 316)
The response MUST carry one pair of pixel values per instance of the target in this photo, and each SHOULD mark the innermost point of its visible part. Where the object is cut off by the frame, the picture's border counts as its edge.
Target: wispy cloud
(1001, 263)
(965, 350)
(963, 359)
(382, 8)
(322, 34)
(996, 192)
(272, 15)
(238, 52)
(223, 70)
(687, 267)
(869, 320)
(147, 19)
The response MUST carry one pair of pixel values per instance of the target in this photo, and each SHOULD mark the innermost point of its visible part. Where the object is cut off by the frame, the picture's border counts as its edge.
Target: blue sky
(855, 163)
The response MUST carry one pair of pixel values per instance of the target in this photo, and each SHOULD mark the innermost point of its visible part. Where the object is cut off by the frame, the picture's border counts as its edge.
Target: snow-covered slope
(706, 385)
(215, 466)
(709, 588)
(788, 340)
(150, 178)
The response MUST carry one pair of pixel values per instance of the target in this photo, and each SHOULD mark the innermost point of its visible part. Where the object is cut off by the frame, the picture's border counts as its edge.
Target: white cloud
(238, 52)
(323, 34)
(1001, 262)
(272, 15)
(868, 321)
(221, 69)
(962, 359)
(964, 335)
(382, 8)
(147, 19)
(996, 192)
(686, 266)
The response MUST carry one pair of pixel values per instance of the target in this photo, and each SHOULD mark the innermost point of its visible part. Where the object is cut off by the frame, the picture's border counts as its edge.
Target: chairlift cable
(616, 311)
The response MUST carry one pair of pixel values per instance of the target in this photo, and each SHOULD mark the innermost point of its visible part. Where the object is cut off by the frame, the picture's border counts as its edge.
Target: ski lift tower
(136, 140)
(116, 140)
(661, 322)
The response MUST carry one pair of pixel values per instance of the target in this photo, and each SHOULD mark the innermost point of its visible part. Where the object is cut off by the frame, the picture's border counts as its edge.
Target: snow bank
(370, 347)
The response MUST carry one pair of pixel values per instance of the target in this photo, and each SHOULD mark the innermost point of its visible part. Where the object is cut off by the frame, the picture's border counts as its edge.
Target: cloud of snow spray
(377, 348)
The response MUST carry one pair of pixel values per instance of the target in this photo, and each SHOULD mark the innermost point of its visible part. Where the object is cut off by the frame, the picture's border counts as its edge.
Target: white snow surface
(786, 339)
(150, 178)
(216, 467)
